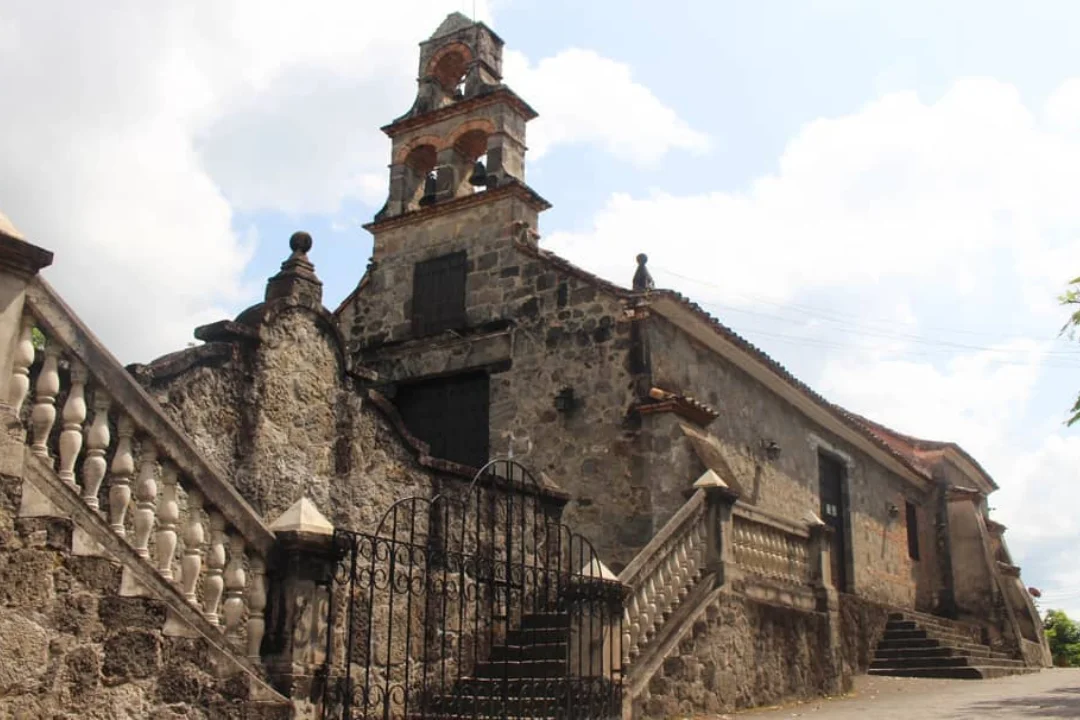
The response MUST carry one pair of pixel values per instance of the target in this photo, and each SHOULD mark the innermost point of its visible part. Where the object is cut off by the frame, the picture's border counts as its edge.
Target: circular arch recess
(421, 158)
(448, 65)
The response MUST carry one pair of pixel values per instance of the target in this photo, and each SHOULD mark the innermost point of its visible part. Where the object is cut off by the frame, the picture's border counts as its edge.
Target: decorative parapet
(661, 575)
(152, 485)
(771, 547)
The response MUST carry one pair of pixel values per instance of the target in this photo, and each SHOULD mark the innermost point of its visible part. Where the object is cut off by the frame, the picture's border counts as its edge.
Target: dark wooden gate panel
(832, 472)
(439, 294)
(449, 414)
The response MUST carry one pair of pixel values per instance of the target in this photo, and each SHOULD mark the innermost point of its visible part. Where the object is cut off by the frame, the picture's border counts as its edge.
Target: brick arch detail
(403, 151)
(487, 126)
(455, 47)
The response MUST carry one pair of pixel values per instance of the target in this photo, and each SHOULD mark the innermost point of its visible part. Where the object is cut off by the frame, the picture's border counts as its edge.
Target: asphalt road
(1048, 694)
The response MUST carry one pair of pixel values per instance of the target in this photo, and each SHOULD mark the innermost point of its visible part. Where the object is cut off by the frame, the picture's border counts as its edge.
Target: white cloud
(583, 97)
(936, 192)
(948, 401)
(133, 133)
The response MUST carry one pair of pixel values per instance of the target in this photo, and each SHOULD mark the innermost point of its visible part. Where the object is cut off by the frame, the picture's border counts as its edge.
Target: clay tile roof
(918, 449)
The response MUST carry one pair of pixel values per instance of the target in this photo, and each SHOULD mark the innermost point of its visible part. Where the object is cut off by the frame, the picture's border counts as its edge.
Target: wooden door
(832, 473)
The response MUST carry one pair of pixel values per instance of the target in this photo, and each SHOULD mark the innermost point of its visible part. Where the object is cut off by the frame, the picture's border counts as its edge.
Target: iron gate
(473, 604)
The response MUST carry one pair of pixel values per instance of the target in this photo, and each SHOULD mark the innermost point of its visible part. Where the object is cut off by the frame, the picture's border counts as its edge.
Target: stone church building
(488, 484)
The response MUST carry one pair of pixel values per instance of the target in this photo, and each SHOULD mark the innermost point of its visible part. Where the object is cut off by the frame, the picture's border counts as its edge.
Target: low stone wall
(741, 653)
(70, 646)
(862, 624)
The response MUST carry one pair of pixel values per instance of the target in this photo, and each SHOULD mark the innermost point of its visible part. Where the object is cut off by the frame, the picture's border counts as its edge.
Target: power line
(859, 329)
(828, 314)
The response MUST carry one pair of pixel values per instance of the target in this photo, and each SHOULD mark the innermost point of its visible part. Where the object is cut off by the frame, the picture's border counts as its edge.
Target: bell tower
(465, 132)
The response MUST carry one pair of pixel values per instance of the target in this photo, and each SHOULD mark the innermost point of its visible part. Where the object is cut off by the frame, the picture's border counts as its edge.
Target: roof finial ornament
(297, 278)
(643, 281)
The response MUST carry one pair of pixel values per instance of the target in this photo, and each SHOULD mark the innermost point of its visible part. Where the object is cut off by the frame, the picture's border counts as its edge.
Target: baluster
(21, 362)
(168, 513)
(637, 615)
(191, 565)
(627, 637)
(256, 624)
(43, 414)
(652, 613)
(123, 467)
(145, 497)
(215, 564)
(74, 415)
(235, 581)
(683, 561)
(97, 442)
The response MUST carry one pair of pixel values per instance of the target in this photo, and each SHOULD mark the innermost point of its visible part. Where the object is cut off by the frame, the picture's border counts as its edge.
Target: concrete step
(522, 669)
(934, 622)
(943, 651)
(976, 672)
(535, 651)
(941, 662)
(920, 633)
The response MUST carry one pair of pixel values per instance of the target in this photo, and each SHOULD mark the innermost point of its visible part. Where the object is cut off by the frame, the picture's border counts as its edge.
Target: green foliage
(1063, 635)
(1071, 297)
(38, 338)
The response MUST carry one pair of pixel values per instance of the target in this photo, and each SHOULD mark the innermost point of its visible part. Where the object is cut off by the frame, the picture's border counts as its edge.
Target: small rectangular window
(912, 531)
(438, 301)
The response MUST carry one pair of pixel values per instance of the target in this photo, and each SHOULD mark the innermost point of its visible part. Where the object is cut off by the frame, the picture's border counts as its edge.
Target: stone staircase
(527, 676)
(918, 645)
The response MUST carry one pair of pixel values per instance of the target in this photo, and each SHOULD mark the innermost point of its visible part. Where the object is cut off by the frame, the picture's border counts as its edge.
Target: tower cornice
(501, 94)
(511, 189)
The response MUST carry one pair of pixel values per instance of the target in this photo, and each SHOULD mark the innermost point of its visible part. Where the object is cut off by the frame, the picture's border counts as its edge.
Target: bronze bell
(428, 198)
(479, 175)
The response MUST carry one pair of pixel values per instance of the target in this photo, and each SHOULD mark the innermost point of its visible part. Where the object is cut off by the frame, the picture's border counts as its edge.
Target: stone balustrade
(661, 576)
(113, 446)
(771, 548)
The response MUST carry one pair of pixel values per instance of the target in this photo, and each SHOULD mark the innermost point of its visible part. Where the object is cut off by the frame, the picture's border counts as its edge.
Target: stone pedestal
(300, 575)
(828, 600)
(719, 549)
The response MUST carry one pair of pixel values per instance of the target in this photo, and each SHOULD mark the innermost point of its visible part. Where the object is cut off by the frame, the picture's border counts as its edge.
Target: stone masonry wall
(285, 422)
(537, 329)
(740, 653)
(70, 647)
(788, 485)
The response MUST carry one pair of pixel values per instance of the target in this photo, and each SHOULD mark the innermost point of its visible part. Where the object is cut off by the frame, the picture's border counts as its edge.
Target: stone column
(828, 601)
(719, 548)
(19, 263)
(300, 574)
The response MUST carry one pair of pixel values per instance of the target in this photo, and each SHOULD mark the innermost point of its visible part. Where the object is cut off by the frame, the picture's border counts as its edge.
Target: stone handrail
(662, 575)
(166, 528)
(771, 547)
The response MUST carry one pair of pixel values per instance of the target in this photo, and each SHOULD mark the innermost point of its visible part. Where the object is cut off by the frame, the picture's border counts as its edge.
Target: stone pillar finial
(643, 281)
(297, 279)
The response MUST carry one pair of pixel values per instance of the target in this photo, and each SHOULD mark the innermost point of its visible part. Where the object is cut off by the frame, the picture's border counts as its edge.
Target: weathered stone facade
(168, 549)
(742, 653)
(72, 646)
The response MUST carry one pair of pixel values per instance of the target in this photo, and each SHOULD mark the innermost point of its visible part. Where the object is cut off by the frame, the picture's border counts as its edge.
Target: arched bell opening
(449, 69)
(419, 167)
(471, 150)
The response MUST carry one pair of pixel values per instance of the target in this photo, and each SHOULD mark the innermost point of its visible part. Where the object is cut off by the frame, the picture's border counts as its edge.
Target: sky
(884, 196)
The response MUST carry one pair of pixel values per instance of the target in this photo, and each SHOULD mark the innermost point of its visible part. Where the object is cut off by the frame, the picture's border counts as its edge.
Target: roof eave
(675, 311)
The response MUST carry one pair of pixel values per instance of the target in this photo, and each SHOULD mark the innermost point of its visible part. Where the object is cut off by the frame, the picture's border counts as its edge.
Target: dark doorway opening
(832, 473)
(450, 414)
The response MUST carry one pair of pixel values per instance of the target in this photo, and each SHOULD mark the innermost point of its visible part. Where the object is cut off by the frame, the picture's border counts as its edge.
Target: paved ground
(1049, 694)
